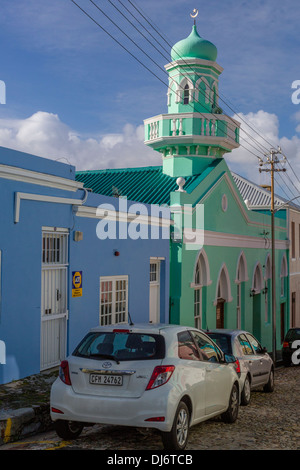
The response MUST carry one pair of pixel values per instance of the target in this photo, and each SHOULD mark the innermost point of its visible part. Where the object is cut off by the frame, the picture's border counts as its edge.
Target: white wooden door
(54, 309)
(154, 294)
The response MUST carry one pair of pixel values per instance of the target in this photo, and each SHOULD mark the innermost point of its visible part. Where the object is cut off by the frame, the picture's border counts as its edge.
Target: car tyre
(269, 387)
(68, 429)
(246, 392)
(230, 416)
(177, 438)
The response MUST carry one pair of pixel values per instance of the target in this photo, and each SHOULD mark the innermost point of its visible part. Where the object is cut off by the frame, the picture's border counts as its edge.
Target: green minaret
(194, 132)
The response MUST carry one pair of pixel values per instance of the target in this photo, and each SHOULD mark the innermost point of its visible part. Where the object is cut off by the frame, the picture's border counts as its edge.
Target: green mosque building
(220, 251)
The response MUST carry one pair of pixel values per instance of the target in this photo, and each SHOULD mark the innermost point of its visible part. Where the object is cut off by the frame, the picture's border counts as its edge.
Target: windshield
(121, 346)
(293, 334)
(223, 341)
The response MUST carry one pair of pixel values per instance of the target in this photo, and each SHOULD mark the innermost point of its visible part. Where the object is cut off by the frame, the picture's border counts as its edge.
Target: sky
(72, 93)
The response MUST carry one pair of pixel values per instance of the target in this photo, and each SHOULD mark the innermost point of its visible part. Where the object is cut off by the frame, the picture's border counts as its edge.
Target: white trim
(43, 198)
(241, 205)
(207, 89)
(190, 115)
(283, 265)
(100, 213)
(268, 260)
(203, 62)
(204, 74)
(241, 256)
(42, 179)
(202, 253)
(55, 229)
(228, 143)
(230, 298)
(258, 265)
(229, 239)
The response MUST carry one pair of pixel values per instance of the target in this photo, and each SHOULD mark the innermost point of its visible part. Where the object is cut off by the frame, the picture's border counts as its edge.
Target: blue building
(71, 259)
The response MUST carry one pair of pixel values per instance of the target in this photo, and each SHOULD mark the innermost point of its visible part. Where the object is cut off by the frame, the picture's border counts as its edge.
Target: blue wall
(21, 247)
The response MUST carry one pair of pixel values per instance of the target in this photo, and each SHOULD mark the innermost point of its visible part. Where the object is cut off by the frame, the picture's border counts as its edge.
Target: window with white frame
(154, 272)
(113, 300)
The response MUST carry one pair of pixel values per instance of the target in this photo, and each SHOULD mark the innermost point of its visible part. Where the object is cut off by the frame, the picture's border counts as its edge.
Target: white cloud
(43, 134)
(262, 130)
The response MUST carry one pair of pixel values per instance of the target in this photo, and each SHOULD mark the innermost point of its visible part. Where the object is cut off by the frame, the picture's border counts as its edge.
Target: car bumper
(114, 410)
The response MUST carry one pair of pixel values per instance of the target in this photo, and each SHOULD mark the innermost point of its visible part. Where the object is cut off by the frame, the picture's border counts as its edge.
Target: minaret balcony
(192, 128)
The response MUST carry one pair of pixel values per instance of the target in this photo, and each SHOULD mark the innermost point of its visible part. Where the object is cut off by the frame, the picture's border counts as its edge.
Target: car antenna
(130, 321)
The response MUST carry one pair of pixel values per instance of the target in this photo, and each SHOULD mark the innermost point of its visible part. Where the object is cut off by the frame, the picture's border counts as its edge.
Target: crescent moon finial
(195, 13)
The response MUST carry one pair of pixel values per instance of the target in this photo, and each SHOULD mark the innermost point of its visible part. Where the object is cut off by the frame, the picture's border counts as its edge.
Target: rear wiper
(105, 356)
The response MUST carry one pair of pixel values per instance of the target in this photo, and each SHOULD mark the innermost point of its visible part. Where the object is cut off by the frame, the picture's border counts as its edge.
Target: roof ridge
(122, 170)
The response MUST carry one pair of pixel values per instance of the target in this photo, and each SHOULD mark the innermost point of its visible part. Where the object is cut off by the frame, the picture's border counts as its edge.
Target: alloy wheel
(182, 427)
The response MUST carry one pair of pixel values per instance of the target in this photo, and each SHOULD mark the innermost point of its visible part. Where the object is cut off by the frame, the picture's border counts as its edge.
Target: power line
(251, 127)
(147, 55)
(119, 43)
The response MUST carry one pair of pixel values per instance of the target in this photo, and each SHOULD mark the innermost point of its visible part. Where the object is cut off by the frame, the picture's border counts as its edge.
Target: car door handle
(208, 370)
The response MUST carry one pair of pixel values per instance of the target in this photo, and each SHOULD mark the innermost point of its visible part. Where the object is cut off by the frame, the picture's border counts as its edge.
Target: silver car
(256, 367)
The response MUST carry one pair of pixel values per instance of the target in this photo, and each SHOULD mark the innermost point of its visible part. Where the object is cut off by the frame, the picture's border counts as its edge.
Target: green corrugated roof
(148, 185)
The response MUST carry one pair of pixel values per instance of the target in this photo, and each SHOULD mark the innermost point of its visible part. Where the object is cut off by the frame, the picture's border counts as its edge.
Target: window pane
(186, 347)
(245, 344)
(123, 346)
(208, 351)
(254, 343)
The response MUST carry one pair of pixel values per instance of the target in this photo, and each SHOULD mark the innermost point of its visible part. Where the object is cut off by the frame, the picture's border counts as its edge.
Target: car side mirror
(229, 358)
(264, 350)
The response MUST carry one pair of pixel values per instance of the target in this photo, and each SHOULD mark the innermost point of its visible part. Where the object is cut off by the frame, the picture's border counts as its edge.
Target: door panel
(54, 311)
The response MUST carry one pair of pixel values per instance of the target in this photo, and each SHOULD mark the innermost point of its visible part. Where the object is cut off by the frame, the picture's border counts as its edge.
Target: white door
(154, 294)
(54, 311)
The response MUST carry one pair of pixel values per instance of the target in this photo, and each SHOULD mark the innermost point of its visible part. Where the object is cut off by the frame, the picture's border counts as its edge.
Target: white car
(255, 366)
(165, 377)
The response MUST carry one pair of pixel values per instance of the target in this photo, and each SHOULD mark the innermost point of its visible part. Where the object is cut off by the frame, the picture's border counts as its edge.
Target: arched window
(223, 295)
(241, 276)
(201, 279)
(283, 275)
(257, 281)
(186, 94)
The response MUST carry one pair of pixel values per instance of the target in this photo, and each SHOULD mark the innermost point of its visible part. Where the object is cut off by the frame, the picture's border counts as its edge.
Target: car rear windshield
(223, 341)
(293, 334)
(121, 346)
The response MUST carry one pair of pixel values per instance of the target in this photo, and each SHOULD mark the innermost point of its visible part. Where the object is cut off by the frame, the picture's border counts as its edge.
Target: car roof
(227, 331)
(154, 328)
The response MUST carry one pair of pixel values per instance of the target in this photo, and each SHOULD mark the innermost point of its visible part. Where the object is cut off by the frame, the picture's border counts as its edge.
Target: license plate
(101, 379)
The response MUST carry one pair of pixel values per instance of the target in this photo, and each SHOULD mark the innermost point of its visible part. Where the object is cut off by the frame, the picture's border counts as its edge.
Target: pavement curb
(24, 422)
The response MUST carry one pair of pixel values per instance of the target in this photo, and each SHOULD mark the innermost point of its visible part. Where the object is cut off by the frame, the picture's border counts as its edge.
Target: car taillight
(237, 366)
(64, 373)
(285, 344)
(160, 376)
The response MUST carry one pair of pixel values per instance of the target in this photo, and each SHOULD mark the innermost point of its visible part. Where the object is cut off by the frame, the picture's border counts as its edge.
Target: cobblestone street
(270, 422)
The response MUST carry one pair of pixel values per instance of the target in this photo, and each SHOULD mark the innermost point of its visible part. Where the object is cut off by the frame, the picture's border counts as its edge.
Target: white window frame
(113, 302)
(156, 271)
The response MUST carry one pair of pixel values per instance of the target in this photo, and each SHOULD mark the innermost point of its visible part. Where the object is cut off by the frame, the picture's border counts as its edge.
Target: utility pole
(271, 161)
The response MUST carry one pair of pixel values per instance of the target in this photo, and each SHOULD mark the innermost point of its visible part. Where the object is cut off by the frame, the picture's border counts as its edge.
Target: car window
(293, 334)
(223, 341)
(186, 347)
(207, 349)
(245, 345)
(122, 346)
(255, 344)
